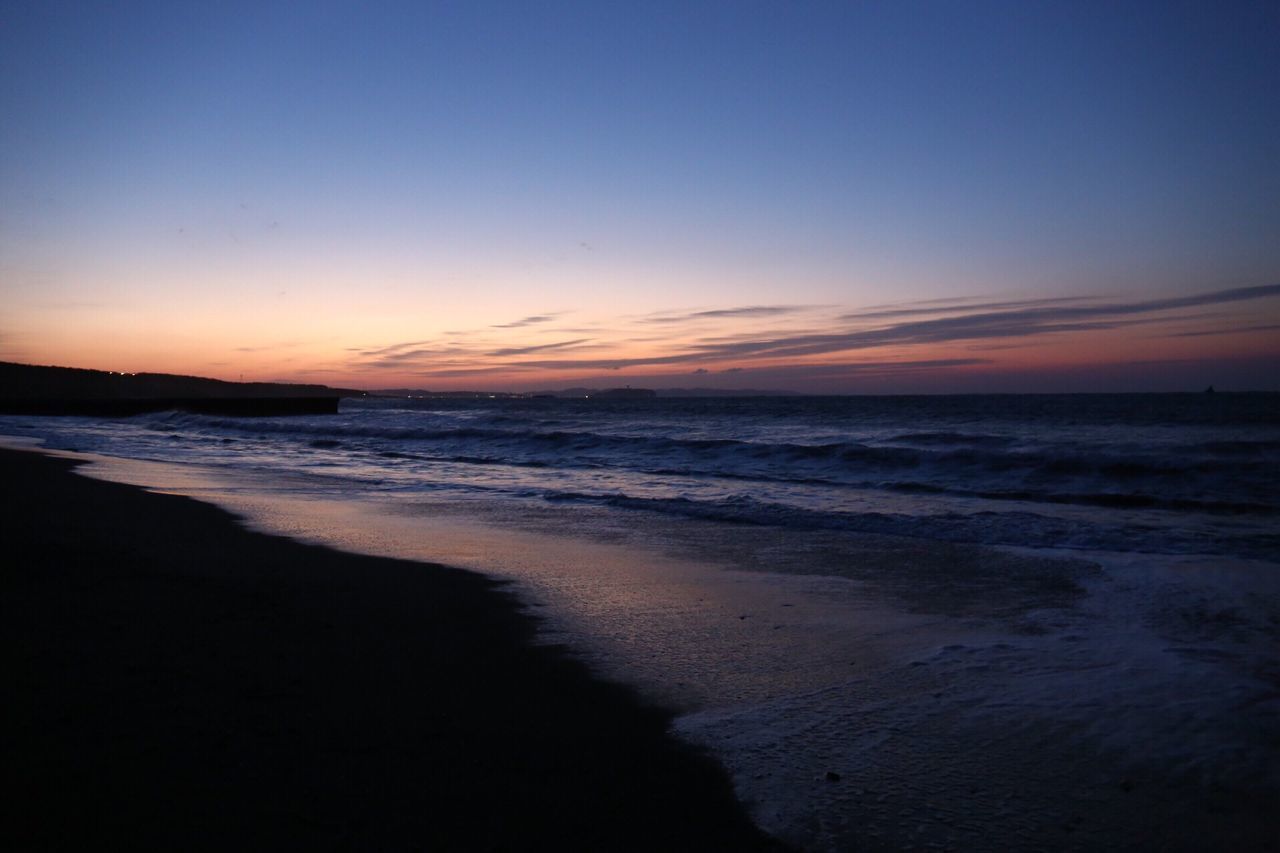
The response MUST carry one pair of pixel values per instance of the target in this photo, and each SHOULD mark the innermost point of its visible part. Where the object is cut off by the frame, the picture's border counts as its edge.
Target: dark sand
(177, 682)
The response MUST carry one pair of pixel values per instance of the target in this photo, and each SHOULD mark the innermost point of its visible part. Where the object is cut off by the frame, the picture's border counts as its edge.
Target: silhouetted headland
(37, 390)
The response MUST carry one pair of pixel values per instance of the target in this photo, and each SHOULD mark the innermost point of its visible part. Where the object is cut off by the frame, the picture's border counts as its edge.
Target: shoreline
(182, 681)
(1104, 720)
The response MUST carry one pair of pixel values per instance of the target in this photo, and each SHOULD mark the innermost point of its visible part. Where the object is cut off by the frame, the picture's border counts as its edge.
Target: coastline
(851, 711)
(180, 681)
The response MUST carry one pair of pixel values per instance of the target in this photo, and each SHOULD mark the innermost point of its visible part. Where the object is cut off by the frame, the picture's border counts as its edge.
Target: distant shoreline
(127, 407)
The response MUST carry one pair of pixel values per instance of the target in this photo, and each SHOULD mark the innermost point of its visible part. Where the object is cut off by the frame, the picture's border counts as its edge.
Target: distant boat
(1209, 390)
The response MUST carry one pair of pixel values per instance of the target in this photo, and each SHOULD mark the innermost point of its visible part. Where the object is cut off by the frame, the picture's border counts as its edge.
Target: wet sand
(179, 682)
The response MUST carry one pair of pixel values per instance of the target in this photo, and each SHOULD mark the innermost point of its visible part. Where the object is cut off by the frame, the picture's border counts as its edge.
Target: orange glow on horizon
(768, 346)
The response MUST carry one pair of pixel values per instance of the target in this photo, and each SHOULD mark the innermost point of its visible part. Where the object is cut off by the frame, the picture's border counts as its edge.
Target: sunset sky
(845, 197)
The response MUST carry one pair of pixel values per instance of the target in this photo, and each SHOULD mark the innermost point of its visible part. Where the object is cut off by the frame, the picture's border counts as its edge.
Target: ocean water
(982, 622)
(1185, 473)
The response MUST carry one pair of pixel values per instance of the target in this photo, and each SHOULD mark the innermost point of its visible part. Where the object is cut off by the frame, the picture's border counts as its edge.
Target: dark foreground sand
(177, 682)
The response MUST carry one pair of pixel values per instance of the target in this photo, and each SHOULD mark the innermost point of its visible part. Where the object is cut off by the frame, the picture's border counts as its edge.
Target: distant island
(627, 393)
(42, 390)
(30, 389)
(580, 393)
(424, 394)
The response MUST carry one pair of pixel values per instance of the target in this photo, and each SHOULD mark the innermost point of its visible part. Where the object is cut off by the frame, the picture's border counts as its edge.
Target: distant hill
(33, 382)
(423, 392)
(673, 392)
(35, 389)
(724, 392)
(579, 392)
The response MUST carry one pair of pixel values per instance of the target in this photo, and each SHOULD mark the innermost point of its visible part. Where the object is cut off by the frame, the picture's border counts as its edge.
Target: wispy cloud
(724, 313)
(527, 321)
(392, 348)
(510, 351)
(935, 306)
(446, 372)
(404, 358)
(1033, 320)
(850, 368)
(1270, 327)
(806, 338)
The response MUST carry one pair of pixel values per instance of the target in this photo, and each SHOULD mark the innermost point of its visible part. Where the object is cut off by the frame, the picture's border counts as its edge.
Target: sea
(933, 622)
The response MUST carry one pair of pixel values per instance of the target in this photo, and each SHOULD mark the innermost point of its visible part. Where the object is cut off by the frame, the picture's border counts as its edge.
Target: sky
(854, 197)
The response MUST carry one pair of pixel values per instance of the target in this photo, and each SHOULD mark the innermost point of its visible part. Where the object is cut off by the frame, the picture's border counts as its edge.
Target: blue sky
(268, 188)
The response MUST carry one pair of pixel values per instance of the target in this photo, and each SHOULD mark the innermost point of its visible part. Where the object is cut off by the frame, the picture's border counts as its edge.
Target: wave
(954, 438)
(1025, 529)
(1252, 449)
(935, 468)
(1117, 500)
(976, 455)
(1222, 477)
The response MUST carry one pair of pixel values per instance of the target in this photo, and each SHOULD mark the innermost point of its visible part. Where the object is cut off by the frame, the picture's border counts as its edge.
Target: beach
(180, 682)
(893, 623)
(834, 427)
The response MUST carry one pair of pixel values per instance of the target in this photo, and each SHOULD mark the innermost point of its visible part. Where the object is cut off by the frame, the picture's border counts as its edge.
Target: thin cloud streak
(982, 326)
(509, 351)
(527, 321)
(393, 348)
(723, 313)
(888, 313)
(463, 372)
(406, 358)
(1199, 334)
(985, 325)
(847, 368)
